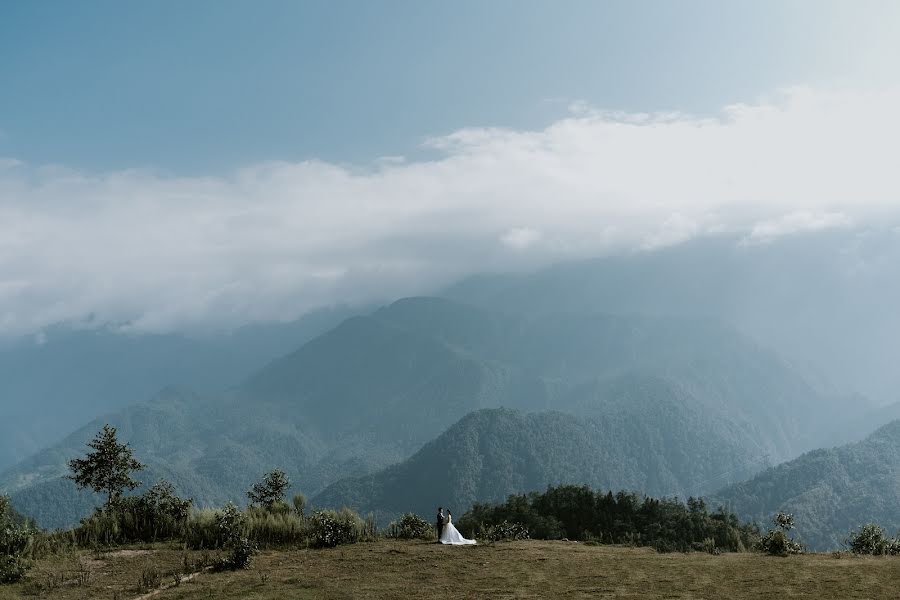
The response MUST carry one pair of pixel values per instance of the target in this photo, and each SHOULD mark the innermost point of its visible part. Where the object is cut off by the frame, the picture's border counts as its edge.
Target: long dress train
(451, 535)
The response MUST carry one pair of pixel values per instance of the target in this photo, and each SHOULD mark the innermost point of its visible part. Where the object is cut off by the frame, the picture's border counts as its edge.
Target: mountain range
(680, 371)
(373, 390)
(51, 382)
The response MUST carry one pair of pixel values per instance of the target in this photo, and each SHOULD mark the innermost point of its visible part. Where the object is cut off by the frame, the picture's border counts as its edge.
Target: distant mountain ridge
(492, 453)
(51, 384)
(373, 390)
(829, 491)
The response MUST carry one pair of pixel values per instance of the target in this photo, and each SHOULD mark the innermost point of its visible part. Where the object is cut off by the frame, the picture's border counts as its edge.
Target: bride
(451, 535)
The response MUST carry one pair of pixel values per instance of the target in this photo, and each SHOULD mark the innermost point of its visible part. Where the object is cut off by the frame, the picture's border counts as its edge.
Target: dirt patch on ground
(128, 553)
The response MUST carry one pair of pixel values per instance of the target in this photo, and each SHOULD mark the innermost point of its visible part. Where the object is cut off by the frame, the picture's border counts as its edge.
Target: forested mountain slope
(829, 491)
(371, 391)
(490, 454)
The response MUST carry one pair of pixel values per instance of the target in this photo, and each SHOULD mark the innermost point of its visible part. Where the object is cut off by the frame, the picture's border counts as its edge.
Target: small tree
(776, 541)
(108, 468)
(299, 504)
(270, 491)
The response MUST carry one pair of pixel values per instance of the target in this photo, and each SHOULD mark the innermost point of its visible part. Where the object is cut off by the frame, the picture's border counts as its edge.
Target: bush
(708, 545)
(329, 528)
(776, 541)
(229, 524)
(15, 538)
(239, 557)
(503, 531)
(870, 539)
(411, 527)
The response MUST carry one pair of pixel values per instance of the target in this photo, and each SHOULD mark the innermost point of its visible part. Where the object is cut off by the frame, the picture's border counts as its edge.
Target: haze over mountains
(657, 372)
(50, 382)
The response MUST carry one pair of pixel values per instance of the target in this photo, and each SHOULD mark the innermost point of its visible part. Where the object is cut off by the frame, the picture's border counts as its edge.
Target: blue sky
(203, 87)
(193, 165)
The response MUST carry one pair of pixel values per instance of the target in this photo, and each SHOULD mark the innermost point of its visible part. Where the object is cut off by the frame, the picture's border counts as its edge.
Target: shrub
(504, 531)
(410, 527)
(229, 525)
(708, 545)
(239, 557)
(329, 528)
(870, 539)
(776, 541)
(15, 538)
(150, 579)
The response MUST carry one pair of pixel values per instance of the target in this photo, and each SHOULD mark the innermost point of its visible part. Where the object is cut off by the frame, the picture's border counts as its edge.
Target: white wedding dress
(451, 535)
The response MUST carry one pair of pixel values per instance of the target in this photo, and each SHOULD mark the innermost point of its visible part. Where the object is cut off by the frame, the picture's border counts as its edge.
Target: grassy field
(532, 569)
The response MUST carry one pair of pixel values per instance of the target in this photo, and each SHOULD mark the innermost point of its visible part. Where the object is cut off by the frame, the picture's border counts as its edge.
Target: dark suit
(439, 525)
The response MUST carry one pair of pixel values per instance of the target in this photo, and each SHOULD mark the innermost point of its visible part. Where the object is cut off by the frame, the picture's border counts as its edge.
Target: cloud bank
(155, 252)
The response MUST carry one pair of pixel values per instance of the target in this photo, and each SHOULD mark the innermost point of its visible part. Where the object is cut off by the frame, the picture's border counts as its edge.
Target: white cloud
(797, 222)
(520, 238)
(272, 240)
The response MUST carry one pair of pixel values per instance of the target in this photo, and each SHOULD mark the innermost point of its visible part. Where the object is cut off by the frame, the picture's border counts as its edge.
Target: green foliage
(150, 579)
(299, 502)
(159, 514)
(15, 538)
(108, 468)
(411, 526)
(503, 531)
(825, 486)
(331, 528)
(579, 513)
(240, 554)
(776, 541)
(871, 539)
(230, 524)
(270, 490)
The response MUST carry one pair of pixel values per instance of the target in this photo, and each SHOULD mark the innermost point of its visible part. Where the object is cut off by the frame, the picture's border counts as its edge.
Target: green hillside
(829, 491)
(649, 446)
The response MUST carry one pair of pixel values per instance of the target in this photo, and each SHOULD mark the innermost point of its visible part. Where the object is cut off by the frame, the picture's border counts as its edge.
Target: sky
(171, 165)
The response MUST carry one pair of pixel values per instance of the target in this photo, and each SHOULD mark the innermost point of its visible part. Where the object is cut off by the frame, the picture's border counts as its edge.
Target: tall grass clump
(157, 515)
(279, 526)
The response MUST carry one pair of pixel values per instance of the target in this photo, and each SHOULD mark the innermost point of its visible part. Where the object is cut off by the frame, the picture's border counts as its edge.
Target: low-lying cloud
(157, 252)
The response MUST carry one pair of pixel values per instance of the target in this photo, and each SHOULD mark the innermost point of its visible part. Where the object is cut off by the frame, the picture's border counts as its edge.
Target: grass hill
(829, 491)
(373, 390)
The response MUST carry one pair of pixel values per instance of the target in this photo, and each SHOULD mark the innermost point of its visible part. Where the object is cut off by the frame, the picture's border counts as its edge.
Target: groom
(439, 525)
